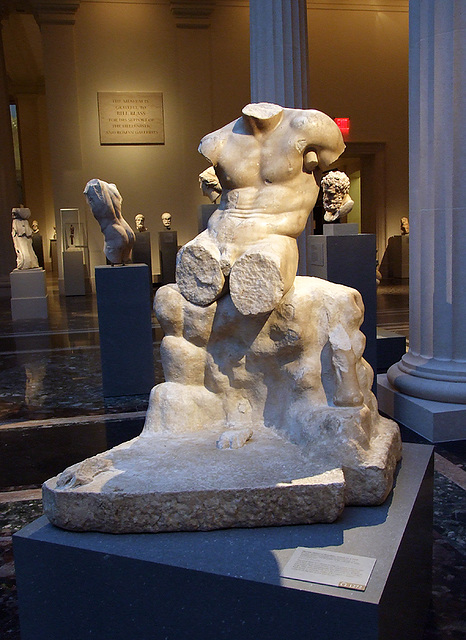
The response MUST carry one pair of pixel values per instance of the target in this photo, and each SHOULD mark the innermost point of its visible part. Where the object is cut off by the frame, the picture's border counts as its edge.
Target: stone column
(56, 21)
(8, 188)
(279, 52)
(280, 64)
(434, 369)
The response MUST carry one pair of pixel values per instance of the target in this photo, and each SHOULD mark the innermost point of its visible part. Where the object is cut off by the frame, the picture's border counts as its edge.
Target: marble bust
(336, 197)
(404, 226)
(35, 226)
(269, 163)
(210, 184)
(22, 238)
(105, 201)
(167, 220)
(139, 220)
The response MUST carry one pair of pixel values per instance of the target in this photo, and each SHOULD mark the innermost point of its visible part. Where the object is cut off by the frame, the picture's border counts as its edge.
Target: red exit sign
(344, 125)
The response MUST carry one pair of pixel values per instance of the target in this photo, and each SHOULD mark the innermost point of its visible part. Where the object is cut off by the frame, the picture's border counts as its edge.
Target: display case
(75, 252)
(74, 232)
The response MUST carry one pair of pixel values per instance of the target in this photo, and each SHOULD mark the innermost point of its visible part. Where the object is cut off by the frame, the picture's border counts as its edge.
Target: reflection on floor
(52, 414)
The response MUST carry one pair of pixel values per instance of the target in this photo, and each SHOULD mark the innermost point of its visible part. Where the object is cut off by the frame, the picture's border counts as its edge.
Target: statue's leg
(199, 273)
(347, 392)
(263, 274)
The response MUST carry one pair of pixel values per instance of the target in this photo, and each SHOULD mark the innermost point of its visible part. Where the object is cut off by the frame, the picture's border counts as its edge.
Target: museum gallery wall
(359, 59)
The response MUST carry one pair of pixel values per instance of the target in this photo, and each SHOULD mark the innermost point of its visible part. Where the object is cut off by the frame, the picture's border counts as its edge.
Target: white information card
(329, 567)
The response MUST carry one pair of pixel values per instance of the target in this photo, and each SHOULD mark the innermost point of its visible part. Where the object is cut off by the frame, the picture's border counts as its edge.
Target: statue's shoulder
(212, 144)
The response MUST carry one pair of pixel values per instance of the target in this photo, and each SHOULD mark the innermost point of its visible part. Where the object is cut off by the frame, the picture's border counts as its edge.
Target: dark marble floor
(52, 413)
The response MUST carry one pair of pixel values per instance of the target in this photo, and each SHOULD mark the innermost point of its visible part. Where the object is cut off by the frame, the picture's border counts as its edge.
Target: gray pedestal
(390, 349)
(226, 584)
(73, 273)
(125, 329)
(54, 255)
(342, 229)
(349, 260)
(38, 248)
(168, 247)
(28, 294)
(435, 421)
(142, 251)
(395, 262)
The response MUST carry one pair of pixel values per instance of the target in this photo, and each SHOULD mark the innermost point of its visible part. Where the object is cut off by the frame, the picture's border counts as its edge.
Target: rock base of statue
(264, 420)
(28, 294)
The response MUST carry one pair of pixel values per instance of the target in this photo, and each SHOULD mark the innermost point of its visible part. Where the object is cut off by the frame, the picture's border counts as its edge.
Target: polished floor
(52, 414)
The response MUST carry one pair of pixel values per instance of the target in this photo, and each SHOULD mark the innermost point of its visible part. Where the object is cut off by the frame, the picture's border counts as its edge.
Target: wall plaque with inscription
(131, 117)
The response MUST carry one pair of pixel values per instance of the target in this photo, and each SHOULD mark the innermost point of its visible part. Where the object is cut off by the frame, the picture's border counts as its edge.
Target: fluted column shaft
(279, 59)
(9, 193)
(435, 366)
(280, 64)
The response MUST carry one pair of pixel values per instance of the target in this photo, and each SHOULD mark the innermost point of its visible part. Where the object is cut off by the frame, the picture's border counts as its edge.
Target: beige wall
(122, 47)
(359, 68)
(358, 61)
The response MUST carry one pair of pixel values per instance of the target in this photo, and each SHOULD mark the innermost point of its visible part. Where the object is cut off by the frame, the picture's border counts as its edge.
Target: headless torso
(269, 164)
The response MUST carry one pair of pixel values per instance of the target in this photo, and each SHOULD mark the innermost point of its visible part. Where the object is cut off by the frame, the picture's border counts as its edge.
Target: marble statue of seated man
(269, 163)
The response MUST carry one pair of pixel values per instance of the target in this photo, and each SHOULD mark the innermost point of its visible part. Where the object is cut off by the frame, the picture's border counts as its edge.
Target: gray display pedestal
(226, 584)
(54, 255)
(125, 329)
(142, 251)
(168, 247)
(349, 260)
(390, 349)
(28, 294)
(38, 248)
(73, 273)
(395, 262)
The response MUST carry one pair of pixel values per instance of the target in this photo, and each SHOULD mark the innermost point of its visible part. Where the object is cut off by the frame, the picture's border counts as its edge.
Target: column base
(435, 421)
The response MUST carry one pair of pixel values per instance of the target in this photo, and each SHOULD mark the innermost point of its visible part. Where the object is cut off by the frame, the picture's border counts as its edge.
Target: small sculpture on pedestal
(404, 226)
(139, 221)
(167, 220)
(337, 200)
(22, 239)
(105, 201)
(35, 226)
(168, 248)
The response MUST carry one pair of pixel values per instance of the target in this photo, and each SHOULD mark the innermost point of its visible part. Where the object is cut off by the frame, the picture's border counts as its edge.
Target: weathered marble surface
(21, 233)
(288, 389)
(336, 198)
(269, 163)
(267, 415)
(105, 201)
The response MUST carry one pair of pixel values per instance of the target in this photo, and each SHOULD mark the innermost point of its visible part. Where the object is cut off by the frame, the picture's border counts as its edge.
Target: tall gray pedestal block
(350, 260)
(74, 273)
(28, 294)
(226, 584)
(125, 329)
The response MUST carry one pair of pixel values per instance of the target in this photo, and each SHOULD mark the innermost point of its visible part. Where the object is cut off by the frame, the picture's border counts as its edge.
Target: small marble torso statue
(167, 220)
(139, 221)
(105, 201)
(269, 163)
(210, 184)
(22, 239)
(337, 200)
